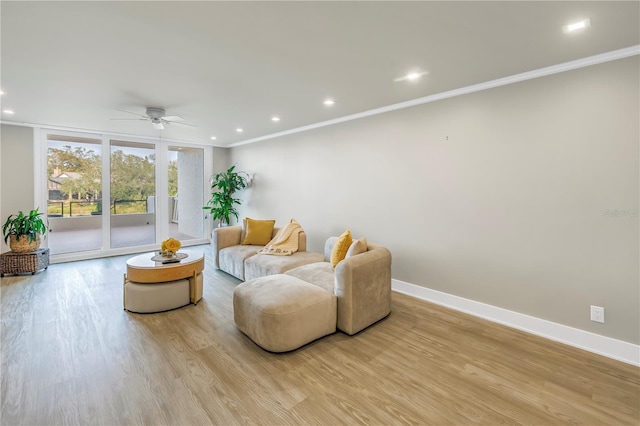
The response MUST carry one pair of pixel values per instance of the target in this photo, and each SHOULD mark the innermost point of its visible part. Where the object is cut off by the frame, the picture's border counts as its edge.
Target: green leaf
(224, 185)
(30, 225)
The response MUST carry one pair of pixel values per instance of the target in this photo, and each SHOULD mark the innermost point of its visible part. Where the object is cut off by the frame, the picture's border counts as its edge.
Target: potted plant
(222, 205)
(22, 232)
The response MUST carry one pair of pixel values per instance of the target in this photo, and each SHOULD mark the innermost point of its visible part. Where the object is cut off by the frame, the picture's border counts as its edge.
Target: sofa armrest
(222, 238)
(363, 288)
(302, 241)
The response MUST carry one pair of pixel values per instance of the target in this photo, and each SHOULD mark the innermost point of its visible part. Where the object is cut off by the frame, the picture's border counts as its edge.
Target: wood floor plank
(72, 355)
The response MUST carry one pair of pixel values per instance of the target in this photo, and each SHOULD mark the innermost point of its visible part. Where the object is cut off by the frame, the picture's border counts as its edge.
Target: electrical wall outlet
(597, 313)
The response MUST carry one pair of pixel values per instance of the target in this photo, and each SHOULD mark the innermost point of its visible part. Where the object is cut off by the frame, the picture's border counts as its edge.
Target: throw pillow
(259, 232)
(339, 250)
(357, 247)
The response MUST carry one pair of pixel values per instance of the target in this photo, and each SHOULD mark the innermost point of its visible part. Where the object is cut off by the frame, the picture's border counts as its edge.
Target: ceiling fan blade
(179, 123)
(172, 118)
(134, 113)
(130, 119)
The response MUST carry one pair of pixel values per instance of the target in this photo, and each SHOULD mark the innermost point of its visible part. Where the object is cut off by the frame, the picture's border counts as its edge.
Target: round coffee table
(142, 271)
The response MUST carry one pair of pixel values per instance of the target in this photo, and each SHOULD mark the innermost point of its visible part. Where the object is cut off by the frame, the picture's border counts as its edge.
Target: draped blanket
(285, 243)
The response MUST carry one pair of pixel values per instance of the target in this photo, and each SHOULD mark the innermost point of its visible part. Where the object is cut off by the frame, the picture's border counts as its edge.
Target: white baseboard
(601, 345)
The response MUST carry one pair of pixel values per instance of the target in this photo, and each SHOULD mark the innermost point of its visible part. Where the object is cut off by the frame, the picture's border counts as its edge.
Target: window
(74, 194)
(132, 202)
(102, 194)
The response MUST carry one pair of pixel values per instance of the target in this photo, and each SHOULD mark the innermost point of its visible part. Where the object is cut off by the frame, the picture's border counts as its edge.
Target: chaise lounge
(286, 311)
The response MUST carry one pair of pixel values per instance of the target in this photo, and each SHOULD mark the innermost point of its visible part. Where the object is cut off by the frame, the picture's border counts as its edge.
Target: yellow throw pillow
(339, 250)
(259, 232)
(358, 246)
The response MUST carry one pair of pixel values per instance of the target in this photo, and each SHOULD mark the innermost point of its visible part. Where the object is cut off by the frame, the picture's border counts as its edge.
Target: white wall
(190, 202)
(16, 170)
(511, 196)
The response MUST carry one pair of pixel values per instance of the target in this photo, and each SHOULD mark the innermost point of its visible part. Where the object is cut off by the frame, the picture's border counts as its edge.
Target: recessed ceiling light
(8, 111)
(213, 138)
(275, 118)
(239, 130)
(1, 92)
(412, 76)
(577, 25)
(329, 102)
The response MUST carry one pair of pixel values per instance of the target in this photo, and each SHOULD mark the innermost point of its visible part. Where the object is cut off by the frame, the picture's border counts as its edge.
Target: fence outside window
(92, 208)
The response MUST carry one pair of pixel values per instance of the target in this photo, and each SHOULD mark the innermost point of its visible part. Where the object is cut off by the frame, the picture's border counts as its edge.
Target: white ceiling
(223, 65)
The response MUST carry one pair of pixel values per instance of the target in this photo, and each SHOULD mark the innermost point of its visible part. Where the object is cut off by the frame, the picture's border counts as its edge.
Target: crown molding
(105, 133)
(517, 78)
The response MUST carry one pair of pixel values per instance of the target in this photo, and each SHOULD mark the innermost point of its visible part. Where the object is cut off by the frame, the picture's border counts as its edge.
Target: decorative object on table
(22, 263)
(169, 252)
(22, 232)
(170, 247)
(221, 205)
(169, 259)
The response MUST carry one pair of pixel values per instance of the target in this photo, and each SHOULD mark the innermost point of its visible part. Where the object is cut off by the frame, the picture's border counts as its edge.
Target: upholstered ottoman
(156, 297)
(281, 313)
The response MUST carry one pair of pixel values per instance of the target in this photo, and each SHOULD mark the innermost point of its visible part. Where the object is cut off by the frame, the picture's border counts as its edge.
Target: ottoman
(281, 313)
(156, 297)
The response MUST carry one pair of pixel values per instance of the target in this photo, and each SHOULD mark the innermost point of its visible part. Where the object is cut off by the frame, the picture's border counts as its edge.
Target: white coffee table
(168, 279)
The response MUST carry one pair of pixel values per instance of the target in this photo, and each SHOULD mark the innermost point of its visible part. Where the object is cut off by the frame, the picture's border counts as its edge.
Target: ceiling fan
(157, 117)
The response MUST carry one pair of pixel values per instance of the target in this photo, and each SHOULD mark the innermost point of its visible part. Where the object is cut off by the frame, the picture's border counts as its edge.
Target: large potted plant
(222, 205)
(22, 232)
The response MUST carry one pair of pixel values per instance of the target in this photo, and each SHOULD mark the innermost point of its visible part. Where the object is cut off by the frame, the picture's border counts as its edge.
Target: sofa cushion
(231, 259)
(320, 274)
(339, 250)
(264, 264)
(258, 232)
(358, 246)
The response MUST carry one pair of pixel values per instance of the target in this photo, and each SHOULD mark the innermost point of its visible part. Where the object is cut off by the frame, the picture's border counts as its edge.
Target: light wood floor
(72, 355)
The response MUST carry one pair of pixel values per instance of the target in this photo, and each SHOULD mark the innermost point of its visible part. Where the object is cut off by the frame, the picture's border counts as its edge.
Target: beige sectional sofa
(243, 262)
(283, 312)
(361, 283)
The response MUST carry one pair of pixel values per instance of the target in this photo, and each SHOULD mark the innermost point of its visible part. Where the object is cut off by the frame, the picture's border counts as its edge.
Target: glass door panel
(74, 194)
(186, 171)
(133, 190)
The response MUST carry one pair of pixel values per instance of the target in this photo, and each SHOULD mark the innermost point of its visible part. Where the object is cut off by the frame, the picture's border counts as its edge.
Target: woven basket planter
(21, 244)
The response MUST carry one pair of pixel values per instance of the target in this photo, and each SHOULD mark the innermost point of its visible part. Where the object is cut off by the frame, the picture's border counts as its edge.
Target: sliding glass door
(132, 209)
(105, 195)
(74, 194)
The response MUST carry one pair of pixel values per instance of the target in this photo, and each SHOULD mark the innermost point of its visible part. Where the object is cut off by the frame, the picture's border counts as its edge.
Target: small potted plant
(22, 232)
(222, 205)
